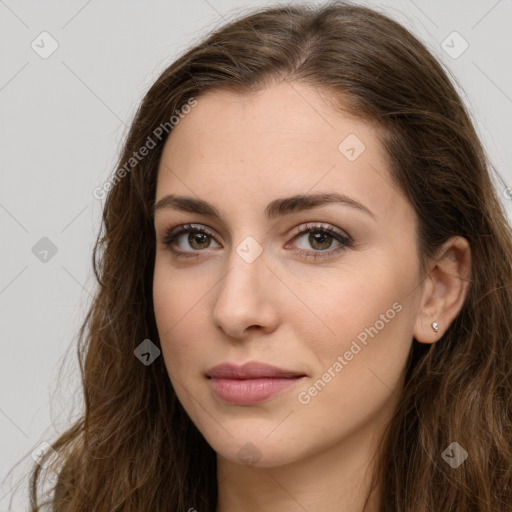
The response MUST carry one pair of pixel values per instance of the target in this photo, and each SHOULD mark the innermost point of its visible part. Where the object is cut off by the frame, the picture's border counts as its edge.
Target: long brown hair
(135, 448)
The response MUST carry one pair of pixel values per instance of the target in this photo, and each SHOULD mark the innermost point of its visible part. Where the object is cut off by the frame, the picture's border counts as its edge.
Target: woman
(305, 286)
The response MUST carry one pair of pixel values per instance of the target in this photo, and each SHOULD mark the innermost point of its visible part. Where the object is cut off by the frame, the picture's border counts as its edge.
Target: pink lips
(250, 383)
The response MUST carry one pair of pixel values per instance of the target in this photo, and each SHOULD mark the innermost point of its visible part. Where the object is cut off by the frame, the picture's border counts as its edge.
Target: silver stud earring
(435, 326)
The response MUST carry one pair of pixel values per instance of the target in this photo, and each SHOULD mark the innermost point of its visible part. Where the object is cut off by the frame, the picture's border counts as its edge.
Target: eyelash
(172, 234)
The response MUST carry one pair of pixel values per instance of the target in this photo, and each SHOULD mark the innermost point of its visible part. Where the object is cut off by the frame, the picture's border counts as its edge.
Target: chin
(255, 450)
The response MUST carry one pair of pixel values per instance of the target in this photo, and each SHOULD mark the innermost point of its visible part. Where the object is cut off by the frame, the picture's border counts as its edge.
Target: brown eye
(197, 240)
(320, 239)
(201, 239)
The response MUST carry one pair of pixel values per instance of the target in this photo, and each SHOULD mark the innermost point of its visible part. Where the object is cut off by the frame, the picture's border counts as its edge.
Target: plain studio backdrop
(71, 76)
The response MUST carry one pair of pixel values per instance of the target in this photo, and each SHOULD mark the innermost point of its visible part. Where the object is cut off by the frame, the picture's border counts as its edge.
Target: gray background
(63, 119)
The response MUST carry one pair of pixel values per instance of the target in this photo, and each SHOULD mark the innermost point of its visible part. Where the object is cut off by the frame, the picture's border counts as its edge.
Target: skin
(240, 152)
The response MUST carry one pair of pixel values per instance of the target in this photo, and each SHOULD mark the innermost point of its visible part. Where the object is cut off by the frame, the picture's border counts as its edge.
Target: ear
(444, 290)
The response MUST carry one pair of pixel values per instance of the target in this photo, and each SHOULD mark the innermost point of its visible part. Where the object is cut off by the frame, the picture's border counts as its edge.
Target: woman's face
(267, 283)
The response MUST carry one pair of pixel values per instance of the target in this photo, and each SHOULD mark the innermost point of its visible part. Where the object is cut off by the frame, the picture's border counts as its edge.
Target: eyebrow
(277, 208)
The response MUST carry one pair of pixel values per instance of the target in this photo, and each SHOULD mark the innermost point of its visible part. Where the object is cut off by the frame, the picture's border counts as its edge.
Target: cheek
(178, 303)
(362, 313)
(177, 293)
(358, 367)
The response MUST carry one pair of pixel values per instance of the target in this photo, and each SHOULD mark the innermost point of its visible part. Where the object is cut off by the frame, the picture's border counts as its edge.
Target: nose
(247, 297)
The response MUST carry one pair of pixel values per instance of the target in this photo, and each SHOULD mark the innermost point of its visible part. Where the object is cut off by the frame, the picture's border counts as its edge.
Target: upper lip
(251, 370)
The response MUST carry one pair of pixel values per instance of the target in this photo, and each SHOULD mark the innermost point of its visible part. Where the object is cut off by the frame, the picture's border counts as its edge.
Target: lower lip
(249, 391)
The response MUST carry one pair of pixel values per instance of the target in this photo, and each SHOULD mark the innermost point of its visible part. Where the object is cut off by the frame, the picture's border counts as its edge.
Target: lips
(251, 370)
(250, 383)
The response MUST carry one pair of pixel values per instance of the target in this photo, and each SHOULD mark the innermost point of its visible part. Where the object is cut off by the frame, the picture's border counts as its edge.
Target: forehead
(283, 138)
(288, 116)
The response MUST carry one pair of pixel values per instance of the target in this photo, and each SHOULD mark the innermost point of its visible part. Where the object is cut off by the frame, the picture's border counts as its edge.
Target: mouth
(250, 383)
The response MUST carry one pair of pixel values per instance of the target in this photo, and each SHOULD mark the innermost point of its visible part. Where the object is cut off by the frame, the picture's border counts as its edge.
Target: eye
(320, 239)
(198, 238)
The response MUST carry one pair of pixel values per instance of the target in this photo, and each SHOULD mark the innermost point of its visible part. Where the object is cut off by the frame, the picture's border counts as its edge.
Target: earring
(435, 326)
